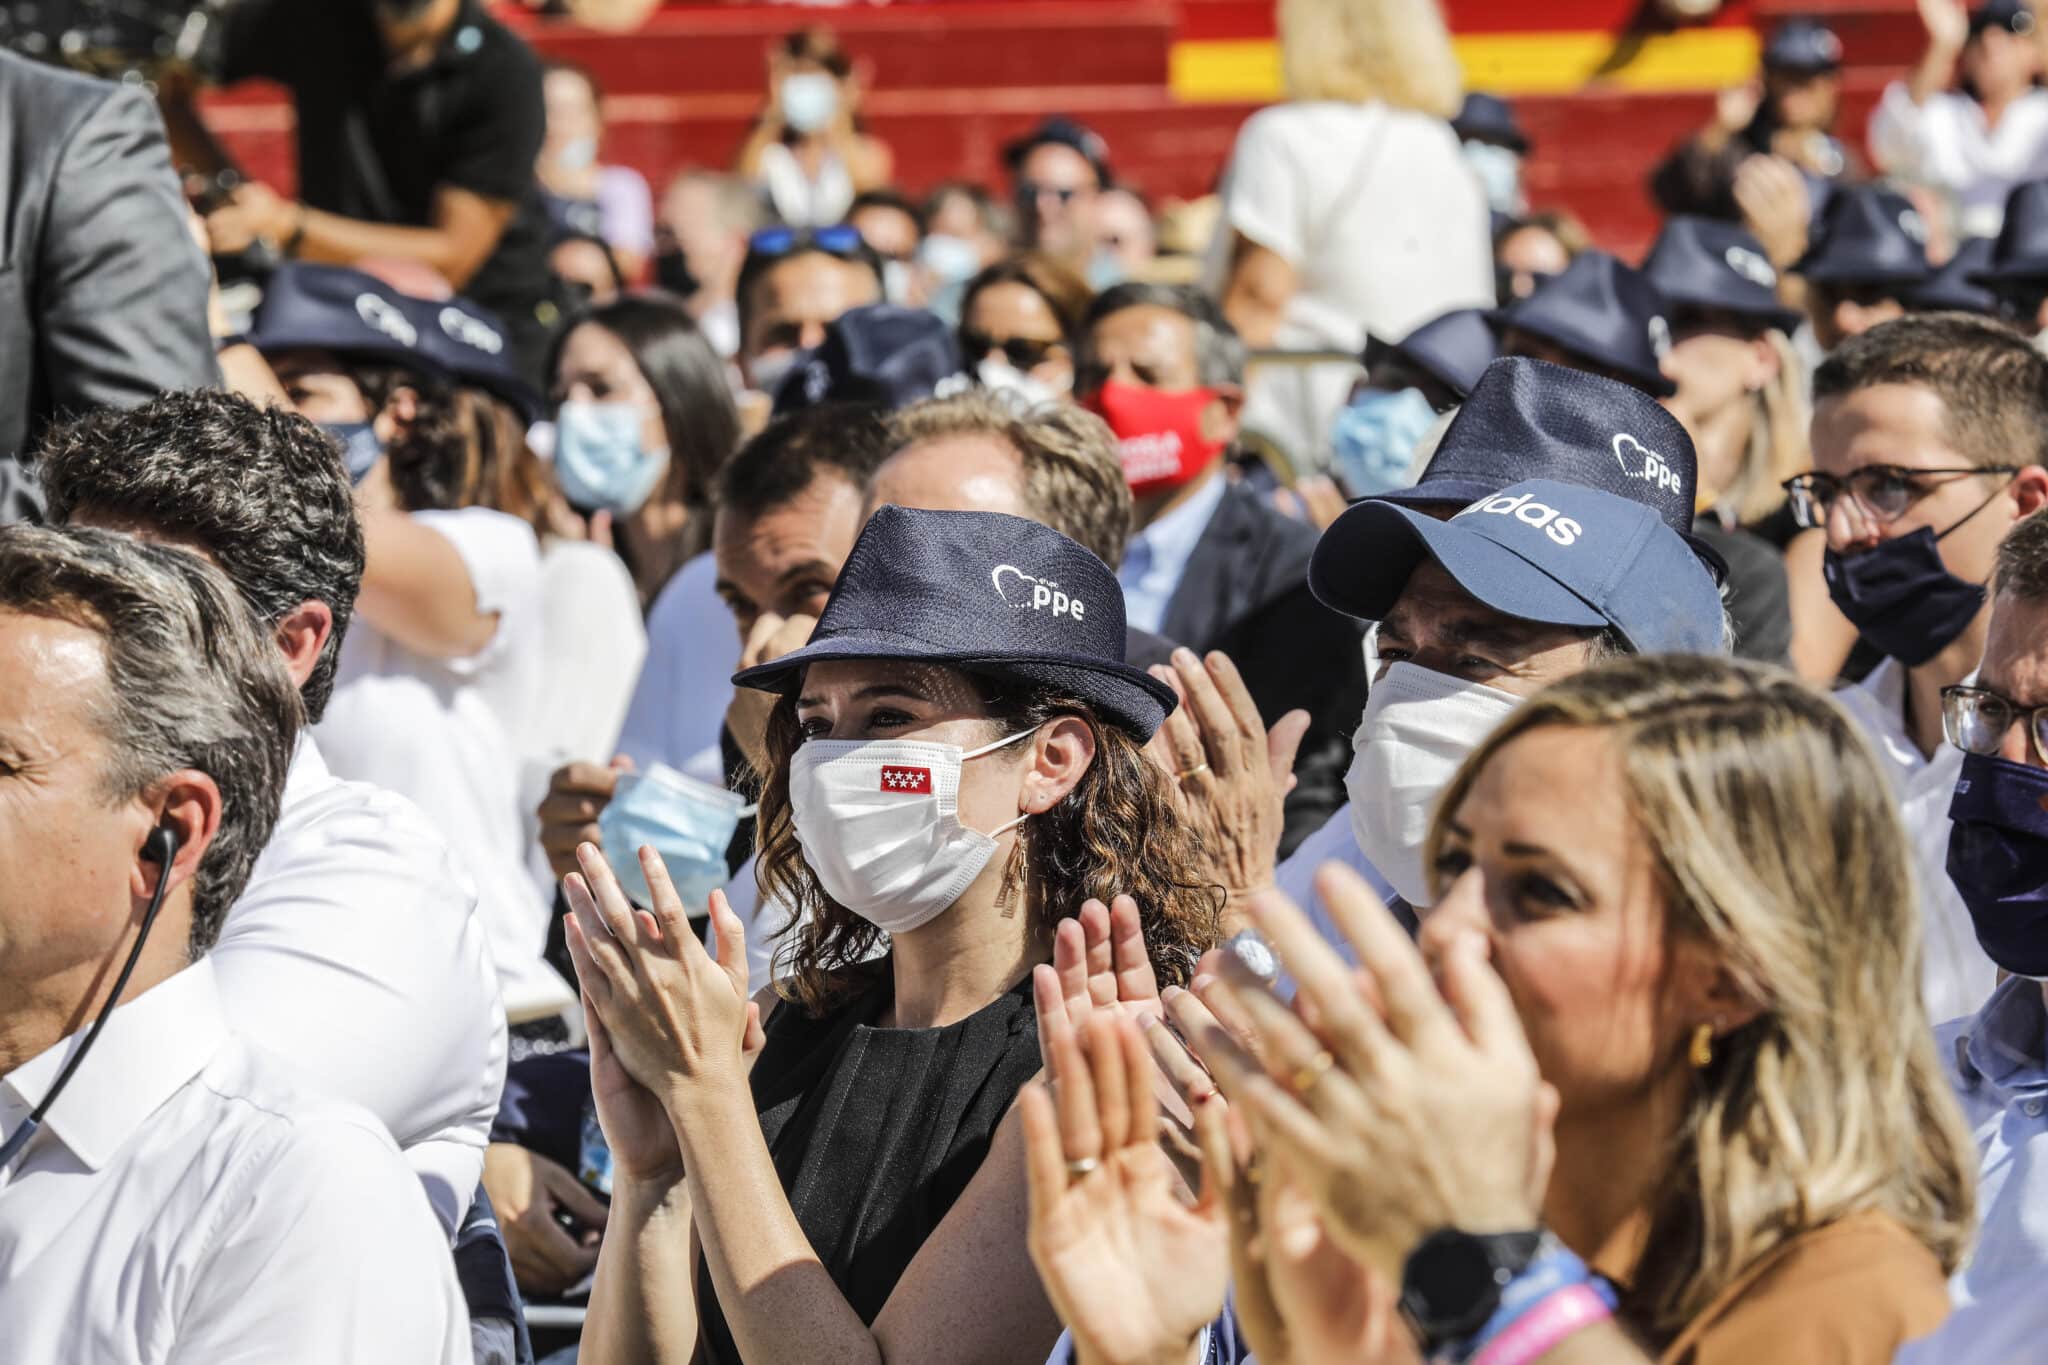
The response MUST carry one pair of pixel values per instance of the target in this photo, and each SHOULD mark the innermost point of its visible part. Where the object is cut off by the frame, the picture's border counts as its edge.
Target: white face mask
(1000, 376)
(879, 823)
(1419, 725)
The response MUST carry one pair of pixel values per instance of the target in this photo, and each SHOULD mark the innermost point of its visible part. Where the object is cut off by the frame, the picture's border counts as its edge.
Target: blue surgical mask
(1500, 175)
(689, 823)
(1998, 859)
(809, 99)
(577, 154)
(360, 446)
(950, 259)
(1105, 270)
(1373, 439)
(599, 461)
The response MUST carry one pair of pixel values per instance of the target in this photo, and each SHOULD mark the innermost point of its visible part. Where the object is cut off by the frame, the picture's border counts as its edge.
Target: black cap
(1064, 132)
(1867, 235)
(1602, 310)
(1704, 263)
(2021, 255)
(471, 343)
(1956, 287)
(2014, 16)
(878, 354)
(333, 308)
(1489, 118)
(1453, 348)
(1529, 419)
(988, 593)
(1802, 45)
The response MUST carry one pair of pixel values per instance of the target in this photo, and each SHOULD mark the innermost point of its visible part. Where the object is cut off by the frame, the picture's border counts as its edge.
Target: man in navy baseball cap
(1600, 316)
(1869, 252)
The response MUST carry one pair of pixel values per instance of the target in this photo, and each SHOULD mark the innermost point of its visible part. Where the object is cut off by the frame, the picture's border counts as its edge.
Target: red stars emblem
(914, 780)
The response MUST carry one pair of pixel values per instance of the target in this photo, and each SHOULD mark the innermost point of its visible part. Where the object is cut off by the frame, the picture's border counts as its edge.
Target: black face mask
(1902, 597)
(672, 273)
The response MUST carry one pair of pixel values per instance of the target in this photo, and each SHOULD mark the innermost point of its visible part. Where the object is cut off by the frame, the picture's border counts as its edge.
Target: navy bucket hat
(876, 354)
(470, 343)
(1539, 550)
(987, 593)
(2021, 254)
(1958, 286)
(1489, 118)
(1453, 348)
(1602, 310)
(1704, 264)
(1802, 45)
(1867, 235)
(333, 308)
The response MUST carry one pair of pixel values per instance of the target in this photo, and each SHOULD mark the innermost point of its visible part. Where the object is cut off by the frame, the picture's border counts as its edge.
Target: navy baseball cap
(1958, 286)
(1705, 264)
(1062, 131)
(1602, 310)
(878, 354)
(1453, 348)
(2021, 254)
(983, 592)
(2014, 16)
(470, 342)
(333, 308)
(1528, 419)
(1538, 550)
(1802, 45)
(1867, 235)
(1489, 118)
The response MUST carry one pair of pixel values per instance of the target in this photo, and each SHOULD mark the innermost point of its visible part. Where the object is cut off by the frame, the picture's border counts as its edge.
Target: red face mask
(1159, 434)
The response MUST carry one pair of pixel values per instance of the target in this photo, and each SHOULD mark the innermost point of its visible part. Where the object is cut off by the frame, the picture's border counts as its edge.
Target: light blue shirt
(1157, 556)
(1997, 1059)
(2006, 1329)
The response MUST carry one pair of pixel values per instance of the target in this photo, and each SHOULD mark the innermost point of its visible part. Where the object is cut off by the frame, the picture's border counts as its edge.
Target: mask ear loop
(1944, 535)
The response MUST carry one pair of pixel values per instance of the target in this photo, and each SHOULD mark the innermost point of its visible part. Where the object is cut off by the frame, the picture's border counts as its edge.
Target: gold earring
(1701, 1054)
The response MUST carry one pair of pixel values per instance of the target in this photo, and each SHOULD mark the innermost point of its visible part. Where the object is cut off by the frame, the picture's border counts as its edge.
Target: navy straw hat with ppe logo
(878, 354)
(470, 342)
(1454, 348)
(983, 592)
(334, 308)
(2021, 255)
(1602, 310)
(1489, 118)
(1704, 264)
(1957, 287)
(1867, 235)
(1541, 551)
(1802, 45)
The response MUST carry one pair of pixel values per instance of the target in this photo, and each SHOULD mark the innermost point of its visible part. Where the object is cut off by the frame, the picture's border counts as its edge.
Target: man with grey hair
(167, 1191)
(1213, 565)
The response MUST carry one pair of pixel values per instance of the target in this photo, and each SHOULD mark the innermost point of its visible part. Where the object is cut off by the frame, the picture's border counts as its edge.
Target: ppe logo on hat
(1913, 225)
(1638, 461)
(378, 314)
(1751, 266)
(463, 328)
(917, 781)
(1524, 508)
(1035, 594)
(1660, 336)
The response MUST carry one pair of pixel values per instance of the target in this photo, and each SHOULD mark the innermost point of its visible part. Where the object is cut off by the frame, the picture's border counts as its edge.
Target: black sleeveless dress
(875, 1132)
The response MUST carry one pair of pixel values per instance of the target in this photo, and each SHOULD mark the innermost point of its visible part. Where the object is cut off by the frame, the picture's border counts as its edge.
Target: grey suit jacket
(102, 289)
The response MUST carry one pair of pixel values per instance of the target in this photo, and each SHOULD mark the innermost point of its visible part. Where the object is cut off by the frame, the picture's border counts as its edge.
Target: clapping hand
(1947, 24)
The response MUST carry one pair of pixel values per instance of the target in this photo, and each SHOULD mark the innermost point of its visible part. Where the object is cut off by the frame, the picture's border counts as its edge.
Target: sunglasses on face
(1022, 352)
(840, 240)
(1882, 492)
(1977, 720)
(1031, 191)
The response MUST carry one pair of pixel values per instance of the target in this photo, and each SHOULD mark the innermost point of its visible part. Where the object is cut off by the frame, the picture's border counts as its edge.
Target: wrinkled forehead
(53, 672)
(838, 682)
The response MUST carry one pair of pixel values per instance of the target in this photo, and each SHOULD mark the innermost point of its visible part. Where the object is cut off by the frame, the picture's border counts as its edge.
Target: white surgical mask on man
(879, 823)
(1419, 726)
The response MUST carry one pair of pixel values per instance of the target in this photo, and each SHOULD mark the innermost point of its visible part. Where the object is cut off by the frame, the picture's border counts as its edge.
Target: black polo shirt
(375, 146)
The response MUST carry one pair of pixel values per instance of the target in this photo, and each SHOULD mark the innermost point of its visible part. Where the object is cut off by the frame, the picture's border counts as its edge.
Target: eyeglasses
(841, 239)
(1976, 720)
(1882, 492)
(1022, 352)
(1031, 191)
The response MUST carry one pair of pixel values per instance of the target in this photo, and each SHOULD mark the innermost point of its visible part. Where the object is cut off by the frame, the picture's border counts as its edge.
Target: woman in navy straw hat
(957, 769)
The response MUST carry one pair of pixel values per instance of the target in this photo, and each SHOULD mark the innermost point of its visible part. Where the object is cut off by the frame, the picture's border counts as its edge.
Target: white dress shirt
(357, 955)
(1956, 977)
(190, 1199)
(1997, 1060)
(1944, 143)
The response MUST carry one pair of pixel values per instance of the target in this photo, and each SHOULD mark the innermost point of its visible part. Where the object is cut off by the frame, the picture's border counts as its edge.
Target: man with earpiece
(168, 1190)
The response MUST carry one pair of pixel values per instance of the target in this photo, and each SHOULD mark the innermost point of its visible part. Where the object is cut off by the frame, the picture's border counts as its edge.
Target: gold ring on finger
(1310, 1073)
(1077, 1169)
(1195, 771)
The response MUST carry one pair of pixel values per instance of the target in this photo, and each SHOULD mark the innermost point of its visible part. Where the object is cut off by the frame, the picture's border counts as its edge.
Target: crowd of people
(787, 771)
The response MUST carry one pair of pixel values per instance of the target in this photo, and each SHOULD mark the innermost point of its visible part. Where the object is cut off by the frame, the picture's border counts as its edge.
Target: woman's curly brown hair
(1115, 834)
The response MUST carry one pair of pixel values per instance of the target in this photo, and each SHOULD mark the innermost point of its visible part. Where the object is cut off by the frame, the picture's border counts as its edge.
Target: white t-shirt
(1385, 225)
(191, 1198)
(1957, 976)
(357, 955)
(1945, 145)
(693, 649)
(439, 732)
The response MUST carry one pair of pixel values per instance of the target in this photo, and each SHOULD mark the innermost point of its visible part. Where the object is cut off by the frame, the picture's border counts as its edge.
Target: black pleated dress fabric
(876, 1132)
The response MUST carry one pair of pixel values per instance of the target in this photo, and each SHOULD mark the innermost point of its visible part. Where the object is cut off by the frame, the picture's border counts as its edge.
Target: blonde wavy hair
(1395, 51)
(1778, 845)
(1778, 446)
